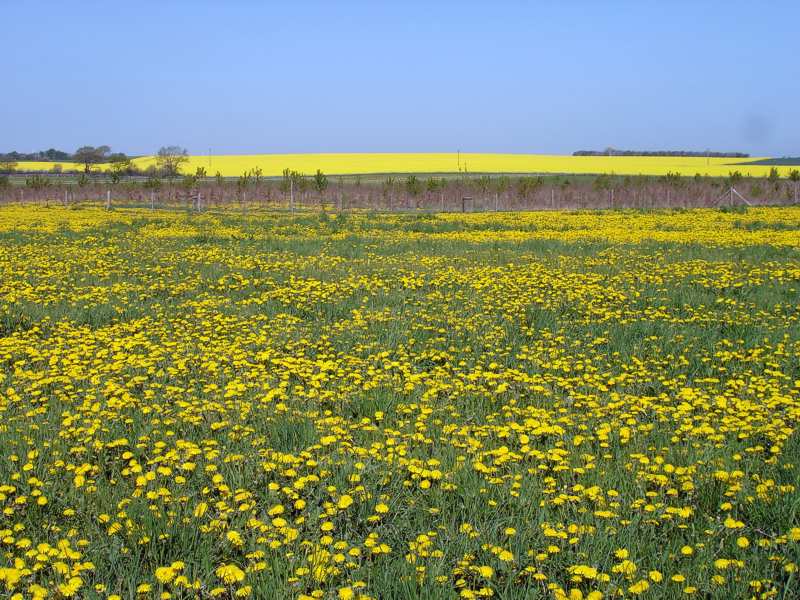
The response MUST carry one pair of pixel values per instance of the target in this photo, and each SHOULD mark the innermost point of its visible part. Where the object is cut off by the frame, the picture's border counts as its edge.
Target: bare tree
(170, 159)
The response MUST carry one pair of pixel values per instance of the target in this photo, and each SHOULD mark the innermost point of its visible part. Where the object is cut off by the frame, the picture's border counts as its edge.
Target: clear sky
(539, 77)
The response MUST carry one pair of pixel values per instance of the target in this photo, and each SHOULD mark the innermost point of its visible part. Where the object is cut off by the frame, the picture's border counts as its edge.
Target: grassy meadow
(338, 406)
(272, 165)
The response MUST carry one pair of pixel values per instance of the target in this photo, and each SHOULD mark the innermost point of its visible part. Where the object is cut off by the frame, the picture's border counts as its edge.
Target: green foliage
(91, 156)
(320, 181)
(286, 181)
(528, 185)
(153, 182)
(301, 181)
(756, 190)
(502, 184)
(672, 179)
(735, 177)
(483, 183)
(290, 178)
(387, 186)
(413, 186)
(602, 182)
(189, 181)
(773, 175)
(739, 209)
(37, 182)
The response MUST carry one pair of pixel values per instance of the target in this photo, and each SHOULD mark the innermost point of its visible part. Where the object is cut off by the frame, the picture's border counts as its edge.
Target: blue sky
(549, 77)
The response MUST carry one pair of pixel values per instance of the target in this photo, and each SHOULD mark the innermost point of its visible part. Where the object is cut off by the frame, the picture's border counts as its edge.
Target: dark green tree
(90, 156)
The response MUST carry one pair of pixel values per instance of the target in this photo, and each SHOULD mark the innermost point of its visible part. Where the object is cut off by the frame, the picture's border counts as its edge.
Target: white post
(199, 201)
(291, 194)
(108, 199)
(152, 200)
(65, 197)
(552, 197)
(441, 200)
(495, 201)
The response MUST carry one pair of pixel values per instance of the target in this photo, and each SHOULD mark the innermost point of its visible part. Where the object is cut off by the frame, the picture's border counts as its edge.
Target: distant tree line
(784, 161)
(683, 153)
(168, 161)
(43, 155)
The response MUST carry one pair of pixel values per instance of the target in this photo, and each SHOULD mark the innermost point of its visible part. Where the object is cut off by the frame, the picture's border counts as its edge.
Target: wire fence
(452, 196)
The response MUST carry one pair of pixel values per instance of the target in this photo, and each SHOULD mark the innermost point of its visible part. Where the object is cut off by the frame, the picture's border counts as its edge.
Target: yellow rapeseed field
(573, 406)
(346, 164)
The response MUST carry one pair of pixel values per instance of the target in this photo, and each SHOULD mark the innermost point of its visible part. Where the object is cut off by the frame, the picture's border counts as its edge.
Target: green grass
(298, 357)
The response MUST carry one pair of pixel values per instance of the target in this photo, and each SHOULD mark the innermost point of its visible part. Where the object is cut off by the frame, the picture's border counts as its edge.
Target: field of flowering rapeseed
(538, 405)
(233, 165)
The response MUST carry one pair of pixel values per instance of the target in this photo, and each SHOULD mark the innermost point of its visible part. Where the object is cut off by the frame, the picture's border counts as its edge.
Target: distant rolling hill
(786, 161)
